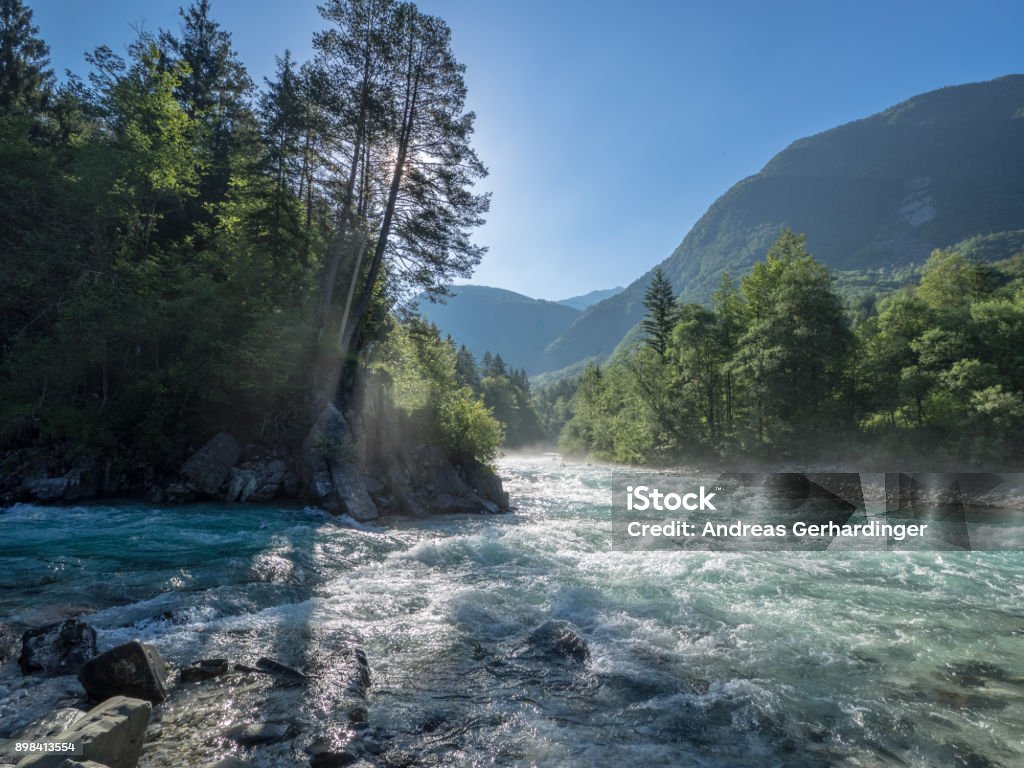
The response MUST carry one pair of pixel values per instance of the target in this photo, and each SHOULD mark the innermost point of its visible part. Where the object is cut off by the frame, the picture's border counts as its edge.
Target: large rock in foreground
(330, 468)
(134, 669)
(110, 734)
(57, 649)
(207, 469)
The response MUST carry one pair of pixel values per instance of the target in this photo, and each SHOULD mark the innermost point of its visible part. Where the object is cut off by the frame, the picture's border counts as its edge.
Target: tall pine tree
(662, 313)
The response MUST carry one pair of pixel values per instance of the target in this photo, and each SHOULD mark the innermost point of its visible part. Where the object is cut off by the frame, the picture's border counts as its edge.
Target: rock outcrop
(260, 481)
(133, 669)
(57, 649)
(110, 734)
(330, 468)
(374, 453)
(207, 469)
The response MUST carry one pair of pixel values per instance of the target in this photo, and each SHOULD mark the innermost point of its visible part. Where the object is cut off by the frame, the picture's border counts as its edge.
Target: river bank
(364, 461)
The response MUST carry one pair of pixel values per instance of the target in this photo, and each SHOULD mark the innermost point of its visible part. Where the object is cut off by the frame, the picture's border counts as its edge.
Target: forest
(783, 366)
(186, 251)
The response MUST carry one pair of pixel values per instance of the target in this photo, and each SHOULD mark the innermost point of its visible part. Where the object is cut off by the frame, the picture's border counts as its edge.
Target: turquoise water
(700, 658)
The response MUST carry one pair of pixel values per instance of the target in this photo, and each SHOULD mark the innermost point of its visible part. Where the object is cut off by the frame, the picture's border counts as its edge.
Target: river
(696, 658)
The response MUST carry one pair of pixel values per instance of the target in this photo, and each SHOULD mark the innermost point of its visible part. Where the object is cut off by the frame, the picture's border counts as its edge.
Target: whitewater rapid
(696, 658)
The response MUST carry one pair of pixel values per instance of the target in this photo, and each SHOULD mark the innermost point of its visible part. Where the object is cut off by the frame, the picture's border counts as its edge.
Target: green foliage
(662, 313)
(553, 403)
(467, 426)
(773, 367)
(425, 376)
(791, 356)
(941, 364)
(166, 236)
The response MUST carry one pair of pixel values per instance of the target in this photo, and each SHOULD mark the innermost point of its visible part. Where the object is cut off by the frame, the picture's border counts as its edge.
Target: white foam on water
(702, 658)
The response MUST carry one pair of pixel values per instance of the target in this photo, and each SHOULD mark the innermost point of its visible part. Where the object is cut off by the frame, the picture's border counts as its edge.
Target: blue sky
(610, 127)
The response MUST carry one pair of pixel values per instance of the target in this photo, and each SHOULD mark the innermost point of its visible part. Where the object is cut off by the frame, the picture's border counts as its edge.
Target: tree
(466, 370)
(283, 112)
(793, 353)
(698, 363)
(662, 313)
(213, 90)
(354, 64)
(731, 322)
(26, 81)
(950, 281)
(430, 204)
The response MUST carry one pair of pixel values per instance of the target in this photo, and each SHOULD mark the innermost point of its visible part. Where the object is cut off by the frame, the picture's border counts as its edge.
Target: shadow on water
(200, 582)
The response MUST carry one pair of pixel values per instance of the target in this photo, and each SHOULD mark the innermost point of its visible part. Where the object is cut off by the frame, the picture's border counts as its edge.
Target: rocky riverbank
(364, 461)
(114, 713)
(127, 706)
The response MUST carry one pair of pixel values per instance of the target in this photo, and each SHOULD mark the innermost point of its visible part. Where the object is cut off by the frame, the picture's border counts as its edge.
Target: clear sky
(610, 127)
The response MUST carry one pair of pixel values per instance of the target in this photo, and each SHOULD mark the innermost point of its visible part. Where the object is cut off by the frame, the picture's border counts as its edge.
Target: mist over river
(695, 658)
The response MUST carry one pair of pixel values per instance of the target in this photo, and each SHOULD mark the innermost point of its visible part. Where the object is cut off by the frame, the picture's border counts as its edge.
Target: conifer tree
(213, 91)
(662, 313)
(26, 80)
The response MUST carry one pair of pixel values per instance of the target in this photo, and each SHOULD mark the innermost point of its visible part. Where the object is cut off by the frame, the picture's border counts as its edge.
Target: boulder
(290, 484)
(83, 482)
(134, 669)
(559, 639)
(446, 480)
(204, 669)
(208, 468)
(68, 763)
(261, 480)
(175, 493)
(45, 489)
(270, 478)
(110, 734)
(374, 486)
(57, 649)
(331, 470)
(241, 485)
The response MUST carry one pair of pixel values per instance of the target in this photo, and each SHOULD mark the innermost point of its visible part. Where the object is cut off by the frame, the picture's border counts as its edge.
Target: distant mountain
(499, 321)
(589, 299)
(876, 193)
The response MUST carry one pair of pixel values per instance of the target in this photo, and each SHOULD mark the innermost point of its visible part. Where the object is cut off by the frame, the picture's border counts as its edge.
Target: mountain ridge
(882, 190)
(500, 321)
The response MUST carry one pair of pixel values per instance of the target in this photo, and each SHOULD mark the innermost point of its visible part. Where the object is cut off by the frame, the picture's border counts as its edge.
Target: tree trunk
(355, 323)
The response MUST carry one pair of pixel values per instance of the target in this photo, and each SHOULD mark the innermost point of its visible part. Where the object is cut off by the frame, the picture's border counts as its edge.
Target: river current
(696, 658)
